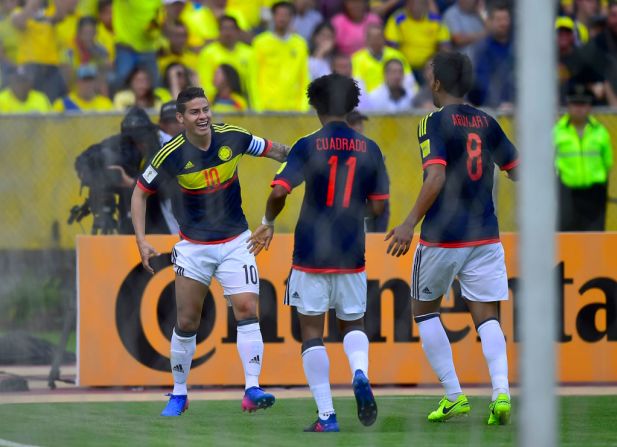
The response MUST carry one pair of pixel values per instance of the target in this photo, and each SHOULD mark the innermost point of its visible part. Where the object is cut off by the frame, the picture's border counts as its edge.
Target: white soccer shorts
(229, 262)
(481, 271)
(315, 293)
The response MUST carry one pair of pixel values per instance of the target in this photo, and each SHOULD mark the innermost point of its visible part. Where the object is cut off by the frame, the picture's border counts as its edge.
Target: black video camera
(108, 200)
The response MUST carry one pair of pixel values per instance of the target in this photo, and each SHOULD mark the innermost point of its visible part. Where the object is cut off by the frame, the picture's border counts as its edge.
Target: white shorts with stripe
(315, 293)
(230, 263)
(481, 271)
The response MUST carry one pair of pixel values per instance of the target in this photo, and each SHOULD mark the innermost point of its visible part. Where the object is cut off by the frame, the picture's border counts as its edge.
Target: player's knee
(355, 324)
(311, 344)
(245, 309)
(188, 323)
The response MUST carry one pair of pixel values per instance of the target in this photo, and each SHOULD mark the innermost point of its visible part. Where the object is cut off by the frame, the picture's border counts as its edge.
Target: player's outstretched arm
(403, 234)
(138, 216)
(278, 152)
(262, 236)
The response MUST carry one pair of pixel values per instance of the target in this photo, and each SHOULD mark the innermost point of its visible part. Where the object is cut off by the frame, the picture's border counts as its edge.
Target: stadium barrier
(125, 318)
(39, 184)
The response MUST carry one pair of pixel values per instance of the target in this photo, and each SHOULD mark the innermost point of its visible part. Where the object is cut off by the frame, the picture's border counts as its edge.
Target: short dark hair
(226, 18)
(283, 4)
(87, 20)
(498, 5)
(392, 61)
(103, 4)
(453, 71)
(333, 94)
(188, 94)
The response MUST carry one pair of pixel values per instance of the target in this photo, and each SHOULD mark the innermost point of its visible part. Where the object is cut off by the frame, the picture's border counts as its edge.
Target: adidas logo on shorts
(427, 291)
(295, 295)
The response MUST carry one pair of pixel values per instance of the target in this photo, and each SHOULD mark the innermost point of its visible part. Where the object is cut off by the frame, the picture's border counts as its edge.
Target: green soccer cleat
(500, 410)
(448, 410)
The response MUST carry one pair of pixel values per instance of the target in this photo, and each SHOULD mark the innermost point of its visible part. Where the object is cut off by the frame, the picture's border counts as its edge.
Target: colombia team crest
(225, 153)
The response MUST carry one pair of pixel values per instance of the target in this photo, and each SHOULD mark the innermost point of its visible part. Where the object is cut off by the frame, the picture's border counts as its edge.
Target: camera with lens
(101, 166)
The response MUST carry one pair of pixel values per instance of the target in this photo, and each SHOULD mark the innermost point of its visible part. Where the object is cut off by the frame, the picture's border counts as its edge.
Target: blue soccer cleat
(255, 399)
(177, 405)
(324, 425)
(367, 407)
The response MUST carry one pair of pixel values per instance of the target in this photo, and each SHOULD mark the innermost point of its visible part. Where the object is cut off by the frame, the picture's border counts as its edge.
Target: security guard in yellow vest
(583, 159)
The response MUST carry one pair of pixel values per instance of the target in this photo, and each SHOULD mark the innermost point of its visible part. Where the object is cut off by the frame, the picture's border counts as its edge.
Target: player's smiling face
(197, 117)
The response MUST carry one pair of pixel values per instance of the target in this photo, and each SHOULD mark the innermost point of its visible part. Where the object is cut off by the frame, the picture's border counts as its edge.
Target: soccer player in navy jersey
(203, 161)
(459, 146)
(343, 170)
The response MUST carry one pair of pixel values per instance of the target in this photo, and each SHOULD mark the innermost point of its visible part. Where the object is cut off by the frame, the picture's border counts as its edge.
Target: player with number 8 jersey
(468, 143)
(459, 146)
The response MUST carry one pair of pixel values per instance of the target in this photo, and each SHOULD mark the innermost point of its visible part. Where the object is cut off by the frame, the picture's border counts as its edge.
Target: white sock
(182, 350)
(355, 344)
(494, 349)
(437, 348)
(317, 372)
(251, 349)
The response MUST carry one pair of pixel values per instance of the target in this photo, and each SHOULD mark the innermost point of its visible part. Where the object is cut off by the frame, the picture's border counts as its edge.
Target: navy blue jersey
(210, 210)
(342, 170)
(469, 143)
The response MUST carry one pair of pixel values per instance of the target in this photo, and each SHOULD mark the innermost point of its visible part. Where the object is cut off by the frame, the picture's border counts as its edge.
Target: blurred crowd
(98, 55)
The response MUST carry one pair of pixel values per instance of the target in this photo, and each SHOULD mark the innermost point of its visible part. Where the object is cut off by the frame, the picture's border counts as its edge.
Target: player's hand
(147, 251)
(401, 240)
(260, 239)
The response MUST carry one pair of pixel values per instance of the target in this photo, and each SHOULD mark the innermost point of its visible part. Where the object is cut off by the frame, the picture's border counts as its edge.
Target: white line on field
(7, 443)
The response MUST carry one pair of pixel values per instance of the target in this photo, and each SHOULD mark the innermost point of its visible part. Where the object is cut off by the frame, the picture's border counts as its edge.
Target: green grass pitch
(583, 421)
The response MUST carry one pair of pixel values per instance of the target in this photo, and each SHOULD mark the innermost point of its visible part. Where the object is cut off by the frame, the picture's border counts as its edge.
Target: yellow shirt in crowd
(35, 102)
(73, 103)
(282, 73)
(215, 54)
(202, 24)
(418, 39)
(370, 70)
(187, 58)
(66, 31)
(38, 42)
(107, 40)
(9, 39)
(136, 24)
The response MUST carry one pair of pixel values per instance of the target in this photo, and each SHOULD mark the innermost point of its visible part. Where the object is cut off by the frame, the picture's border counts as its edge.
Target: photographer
(109, 170)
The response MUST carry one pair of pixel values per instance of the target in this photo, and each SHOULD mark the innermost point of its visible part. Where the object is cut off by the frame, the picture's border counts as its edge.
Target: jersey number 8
(474, 156)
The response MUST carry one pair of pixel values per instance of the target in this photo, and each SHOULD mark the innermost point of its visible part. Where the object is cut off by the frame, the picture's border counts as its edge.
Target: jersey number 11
(351, 171)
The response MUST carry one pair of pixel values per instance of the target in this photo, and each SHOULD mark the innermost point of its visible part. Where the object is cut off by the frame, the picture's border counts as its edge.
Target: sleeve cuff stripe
(378, 196)
(511, 165)
(434, 161)
(282, 183)
(145, 188)
(268, 146)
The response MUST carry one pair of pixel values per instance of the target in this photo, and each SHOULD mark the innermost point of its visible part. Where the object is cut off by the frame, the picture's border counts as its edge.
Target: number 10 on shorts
(250, 274)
